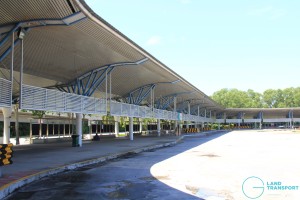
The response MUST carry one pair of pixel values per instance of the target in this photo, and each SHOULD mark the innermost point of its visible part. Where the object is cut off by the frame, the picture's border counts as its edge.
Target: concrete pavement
(32, 162)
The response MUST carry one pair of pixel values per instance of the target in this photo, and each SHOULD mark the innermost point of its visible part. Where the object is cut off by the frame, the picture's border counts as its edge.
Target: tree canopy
(280, 98)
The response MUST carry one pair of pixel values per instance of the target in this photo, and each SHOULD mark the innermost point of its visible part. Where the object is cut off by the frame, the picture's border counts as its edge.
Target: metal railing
(36, 98)
(130, 110)
(5, 93)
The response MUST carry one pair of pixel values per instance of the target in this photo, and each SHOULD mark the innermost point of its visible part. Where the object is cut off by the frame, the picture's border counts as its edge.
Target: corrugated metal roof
(253, 112)
(15, 11)
(59, 54)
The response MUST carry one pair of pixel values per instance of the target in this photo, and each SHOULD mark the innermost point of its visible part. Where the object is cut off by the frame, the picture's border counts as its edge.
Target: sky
(215, 44)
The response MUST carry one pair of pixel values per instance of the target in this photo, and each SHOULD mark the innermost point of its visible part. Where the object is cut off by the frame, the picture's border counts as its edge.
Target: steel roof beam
(8, 30)
(88, 83)
(138, 95)
(165, 102)
(66, 21)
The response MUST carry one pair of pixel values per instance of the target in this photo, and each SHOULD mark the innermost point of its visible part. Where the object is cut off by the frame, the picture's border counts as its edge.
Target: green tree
(254, 99)
(234, 98)
(273, 98)
(297, 97)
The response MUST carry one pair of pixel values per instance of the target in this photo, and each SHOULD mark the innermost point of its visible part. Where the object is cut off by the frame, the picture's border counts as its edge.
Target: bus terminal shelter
(60, 56)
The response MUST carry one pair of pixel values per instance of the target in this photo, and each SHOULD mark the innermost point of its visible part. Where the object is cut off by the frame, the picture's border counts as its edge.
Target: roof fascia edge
(86, 11)
(96, 20)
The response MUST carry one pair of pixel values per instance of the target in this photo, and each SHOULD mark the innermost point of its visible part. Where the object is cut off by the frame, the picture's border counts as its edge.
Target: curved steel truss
(87, 84)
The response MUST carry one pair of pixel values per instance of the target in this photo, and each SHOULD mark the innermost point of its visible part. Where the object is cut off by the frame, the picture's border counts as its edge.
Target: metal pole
(109, 87)
(175, 100)
(21, 74)
(69, 125)
(106, 89)
(12, 63)
(153, 97)
(17, 125)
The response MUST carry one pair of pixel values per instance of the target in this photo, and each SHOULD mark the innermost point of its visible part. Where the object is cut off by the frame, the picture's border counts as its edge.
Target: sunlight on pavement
(217, 169)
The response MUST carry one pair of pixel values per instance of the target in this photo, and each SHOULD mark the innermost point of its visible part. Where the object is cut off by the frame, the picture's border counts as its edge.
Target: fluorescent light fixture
(141, 61)
(21, 34)
(173, 82)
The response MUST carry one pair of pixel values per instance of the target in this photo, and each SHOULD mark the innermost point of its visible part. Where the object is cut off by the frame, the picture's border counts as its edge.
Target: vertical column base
(158, 127)
(117, 128)
(131, 128)
(6, 124)
(77, 139)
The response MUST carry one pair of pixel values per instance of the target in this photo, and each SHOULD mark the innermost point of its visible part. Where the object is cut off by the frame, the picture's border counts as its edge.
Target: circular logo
(253, 187)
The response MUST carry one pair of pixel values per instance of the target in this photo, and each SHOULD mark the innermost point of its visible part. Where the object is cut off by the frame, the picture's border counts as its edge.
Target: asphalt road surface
(236, 165)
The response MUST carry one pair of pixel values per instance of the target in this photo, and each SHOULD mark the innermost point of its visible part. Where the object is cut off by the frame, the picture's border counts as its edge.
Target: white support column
(16, 110)
(131, 128)
(141, 125)
(175, 122)
(58, 129)
(189, 113)
(262, 118)
(158, 127)
(47, 132)
(30, 132)
(6, 124)
(117, 128)
(70, 124)
(64, 128)
(79, 128)
(260, 125)
(117, 119)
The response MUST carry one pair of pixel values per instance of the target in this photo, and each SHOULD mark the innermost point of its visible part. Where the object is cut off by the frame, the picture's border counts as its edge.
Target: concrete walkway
(32, 162)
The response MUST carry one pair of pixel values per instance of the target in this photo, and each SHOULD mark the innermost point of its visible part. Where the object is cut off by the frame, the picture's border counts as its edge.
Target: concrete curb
(9, 188)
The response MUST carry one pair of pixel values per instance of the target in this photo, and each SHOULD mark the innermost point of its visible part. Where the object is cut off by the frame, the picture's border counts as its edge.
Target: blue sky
(215, 44)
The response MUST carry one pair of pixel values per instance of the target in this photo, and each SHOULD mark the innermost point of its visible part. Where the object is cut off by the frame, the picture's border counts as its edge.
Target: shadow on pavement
(127, 177)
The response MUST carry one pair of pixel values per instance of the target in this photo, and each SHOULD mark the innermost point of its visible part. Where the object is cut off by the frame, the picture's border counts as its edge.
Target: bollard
(6, 153)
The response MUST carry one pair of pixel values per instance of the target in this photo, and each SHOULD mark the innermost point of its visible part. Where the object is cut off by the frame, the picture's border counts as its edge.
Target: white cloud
(269, 12)
(154, 40)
